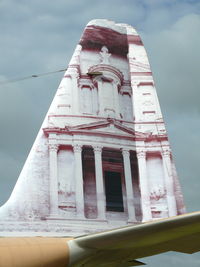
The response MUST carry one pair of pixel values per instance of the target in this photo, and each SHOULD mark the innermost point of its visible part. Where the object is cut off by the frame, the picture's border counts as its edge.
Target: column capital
(116, 82)
(134, 84)
(166, 152)
(73, 72)
(53, 147)
(141, 154)
(97, 149)
(77, 148)
(125, 152)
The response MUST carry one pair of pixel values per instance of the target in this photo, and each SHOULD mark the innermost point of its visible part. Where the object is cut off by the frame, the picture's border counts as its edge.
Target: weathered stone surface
(103, 134)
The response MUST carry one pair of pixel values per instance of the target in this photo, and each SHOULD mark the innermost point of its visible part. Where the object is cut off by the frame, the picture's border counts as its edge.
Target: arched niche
(126, 106)
(106, 72)
(108, 80)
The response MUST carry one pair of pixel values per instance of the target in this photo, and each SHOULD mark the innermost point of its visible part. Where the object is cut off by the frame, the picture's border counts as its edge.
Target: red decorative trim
(147, 122)
(153, 154)
(104, 67)
(146, 84)
(148, 73)
(157, 138)
(149, 111)
(67, 76)
(134, 39)
(103, 118)
(85, 76)
(60, 131)
(105, 79)
(146, 93)
(85, 86)
(86, 129)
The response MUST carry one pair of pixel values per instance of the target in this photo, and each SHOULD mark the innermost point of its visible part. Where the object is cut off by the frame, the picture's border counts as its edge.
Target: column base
(54, 216)
(131, 221)
(80, 217)
(172, 209)
(100, 219)
(147, 220)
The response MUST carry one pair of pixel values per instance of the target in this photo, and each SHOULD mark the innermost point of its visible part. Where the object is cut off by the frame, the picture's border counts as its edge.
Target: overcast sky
(40, 36)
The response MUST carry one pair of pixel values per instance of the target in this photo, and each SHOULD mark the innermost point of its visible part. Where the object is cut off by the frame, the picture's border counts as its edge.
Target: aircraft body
(118, 247)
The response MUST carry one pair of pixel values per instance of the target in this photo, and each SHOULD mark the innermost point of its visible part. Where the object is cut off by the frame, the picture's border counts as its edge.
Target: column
(100, 97)
(169, 183)
(116, 99)
(53, 180)
(75, 93)
(101, 203)
(129, 185)
(73, 70)
(144, 187)
(79, 181)
(136, 100)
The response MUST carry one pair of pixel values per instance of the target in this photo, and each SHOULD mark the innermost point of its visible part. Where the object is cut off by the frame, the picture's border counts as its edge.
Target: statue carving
(104, 55)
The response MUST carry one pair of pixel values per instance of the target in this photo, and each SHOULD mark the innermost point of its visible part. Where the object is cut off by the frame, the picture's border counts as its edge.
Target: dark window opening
(113, 188)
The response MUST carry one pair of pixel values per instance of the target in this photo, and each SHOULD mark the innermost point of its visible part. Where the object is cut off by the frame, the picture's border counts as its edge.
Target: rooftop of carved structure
(105, 33)
(118, 27)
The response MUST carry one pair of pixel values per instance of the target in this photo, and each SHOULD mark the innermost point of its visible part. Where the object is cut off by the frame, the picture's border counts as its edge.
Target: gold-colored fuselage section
(34, 252)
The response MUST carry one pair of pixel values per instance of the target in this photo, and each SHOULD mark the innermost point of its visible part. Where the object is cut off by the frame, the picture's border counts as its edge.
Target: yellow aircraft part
(34, 252)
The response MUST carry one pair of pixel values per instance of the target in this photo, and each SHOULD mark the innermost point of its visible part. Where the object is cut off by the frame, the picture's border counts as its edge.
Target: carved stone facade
(102, 157)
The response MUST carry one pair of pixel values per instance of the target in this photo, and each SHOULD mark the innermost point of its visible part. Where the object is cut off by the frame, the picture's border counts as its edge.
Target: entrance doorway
(113, 190)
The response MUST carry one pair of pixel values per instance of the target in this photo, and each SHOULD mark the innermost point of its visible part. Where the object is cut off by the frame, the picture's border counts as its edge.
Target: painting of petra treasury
(101, 159)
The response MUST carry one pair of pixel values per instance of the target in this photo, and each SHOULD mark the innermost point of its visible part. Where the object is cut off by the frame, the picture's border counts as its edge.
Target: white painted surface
(115, 109)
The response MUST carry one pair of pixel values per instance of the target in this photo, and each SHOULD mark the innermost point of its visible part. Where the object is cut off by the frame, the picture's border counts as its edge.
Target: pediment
(109, 126)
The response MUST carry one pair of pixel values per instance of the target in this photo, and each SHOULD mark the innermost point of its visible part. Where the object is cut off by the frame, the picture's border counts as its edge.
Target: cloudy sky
(39, 36)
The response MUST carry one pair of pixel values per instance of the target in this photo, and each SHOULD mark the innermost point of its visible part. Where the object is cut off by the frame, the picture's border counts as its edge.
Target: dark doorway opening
(113, 188)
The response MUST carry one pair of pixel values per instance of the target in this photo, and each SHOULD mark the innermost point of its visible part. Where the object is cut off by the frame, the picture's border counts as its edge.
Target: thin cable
(31, 76)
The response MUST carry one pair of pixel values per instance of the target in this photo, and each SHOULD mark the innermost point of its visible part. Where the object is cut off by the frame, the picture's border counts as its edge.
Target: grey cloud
(175, 60)
(162, 14)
